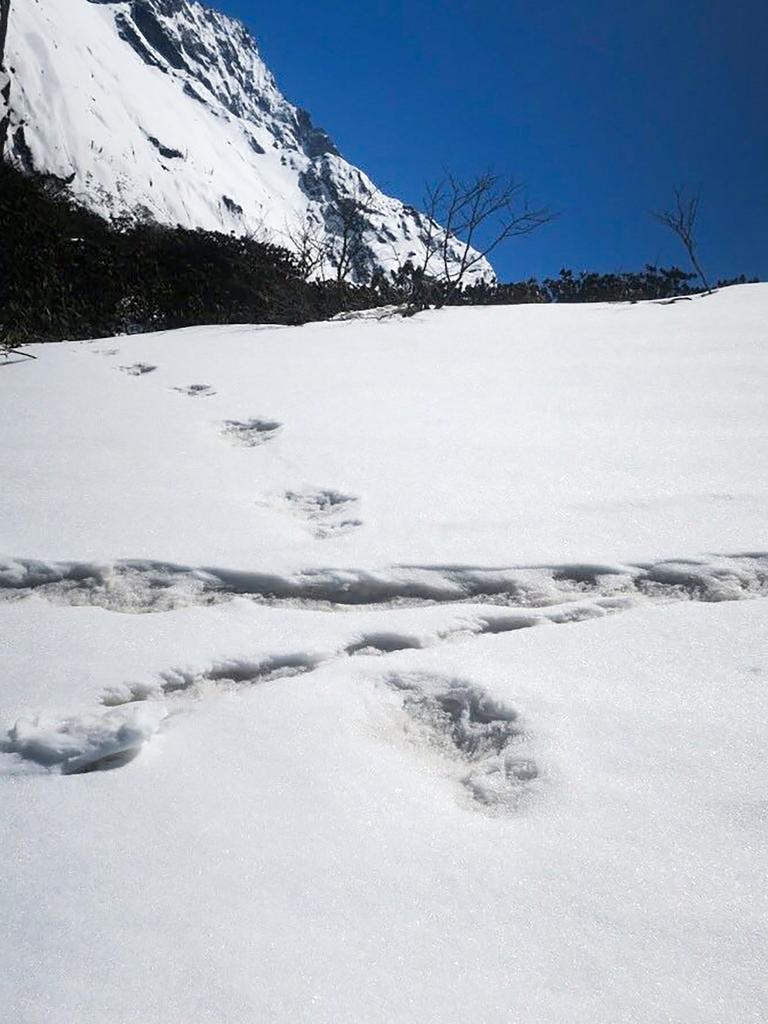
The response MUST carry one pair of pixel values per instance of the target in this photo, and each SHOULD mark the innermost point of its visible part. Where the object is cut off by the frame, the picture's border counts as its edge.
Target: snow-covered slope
(164, 108)
(429, 656)
(495, 436)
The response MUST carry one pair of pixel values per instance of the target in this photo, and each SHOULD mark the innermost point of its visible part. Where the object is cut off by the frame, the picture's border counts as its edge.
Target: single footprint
(326, 510)
(250, 433)
(319, 504)
(138, 369)
(485, 738)
(196, 390)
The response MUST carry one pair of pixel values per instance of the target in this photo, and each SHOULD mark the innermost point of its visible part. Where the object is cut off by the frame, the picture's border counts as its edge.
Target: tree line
(66, 273)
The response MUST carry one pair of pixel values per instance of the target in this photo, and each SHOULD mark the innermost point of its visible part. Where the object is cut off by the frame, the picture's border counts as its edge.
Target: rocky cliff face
(5, 80)
(164, 109)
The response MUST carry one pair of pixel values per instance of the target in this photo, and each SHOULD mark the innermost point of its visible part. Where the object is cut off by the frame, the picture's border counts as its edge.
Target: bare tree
(465, 221)
(259, 232)
(311, 245)
(350, 222)
(682, 221)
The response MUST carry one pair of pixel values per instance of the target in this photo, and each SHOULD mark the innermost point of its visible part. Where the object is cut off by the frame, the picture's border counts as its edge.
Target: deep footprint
(317, 504)
(325, 510)
(483, 735)
(195, 390)
(138, 369)
(250, 433)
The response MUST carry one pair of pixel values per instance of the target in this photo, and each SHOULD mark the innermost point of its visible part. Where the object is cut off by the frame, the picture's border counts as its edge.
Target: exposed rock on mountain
(164, 109)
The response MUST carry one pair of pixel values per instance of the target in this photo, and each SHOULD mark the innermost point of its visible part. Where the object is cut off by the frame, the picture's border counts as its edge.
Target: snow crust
(415, 671)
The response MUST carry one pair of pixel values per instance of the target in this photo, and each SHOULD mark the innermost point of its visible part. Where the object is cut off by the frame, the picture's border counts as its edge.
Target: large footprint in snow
(138, 369)
(327, 511)
(250, 433)
(85, 743)
(482, 740)
(195, 390)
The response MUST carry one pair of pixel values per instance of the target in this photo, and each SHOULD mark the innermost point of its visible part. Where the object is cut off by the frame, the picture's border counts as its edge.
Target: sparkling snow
(413, 671)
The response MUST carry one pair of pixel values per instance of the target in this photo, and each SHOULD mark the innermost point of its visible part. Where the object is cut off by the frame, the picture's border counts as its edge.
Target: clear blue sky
(602, 108)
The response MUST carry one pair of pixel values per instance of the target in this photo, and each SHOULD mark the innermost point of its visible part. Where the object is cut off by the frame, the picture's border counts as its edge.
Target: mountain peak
(165, 110)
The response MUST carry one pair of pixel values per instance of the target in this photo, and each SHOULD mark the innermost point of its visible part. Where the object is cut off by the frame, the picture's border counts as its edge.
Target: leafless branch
(458, 213)
(311, 246)
(682, 221)
(351, 222)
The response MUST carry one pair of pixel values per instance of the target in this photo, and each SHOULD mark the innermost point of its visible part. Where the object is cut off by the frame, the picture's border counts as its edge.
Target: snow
(415, 672)
(185, 127)
(82, 743)
(491, 437)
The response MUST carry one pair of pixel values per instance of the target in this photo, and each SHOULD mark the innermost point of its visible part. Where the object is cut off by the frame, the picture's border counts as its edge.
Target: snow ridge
(483, 739)
(147, 586)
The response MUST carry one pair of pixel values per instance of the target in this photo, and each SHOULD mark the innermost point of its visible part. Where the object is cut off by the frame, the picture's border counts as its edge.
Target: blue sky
(602, 108)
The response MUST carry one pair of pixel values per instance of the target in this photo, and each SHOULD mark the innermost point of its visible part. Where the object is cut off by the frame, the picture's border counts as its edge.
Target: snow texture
(85, 743)
(495, 753)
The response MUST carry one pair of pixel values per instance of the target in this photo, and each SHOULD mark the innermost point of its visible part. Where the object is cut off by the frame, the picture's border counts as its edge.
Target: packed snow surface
(399, 670)
(480, 437)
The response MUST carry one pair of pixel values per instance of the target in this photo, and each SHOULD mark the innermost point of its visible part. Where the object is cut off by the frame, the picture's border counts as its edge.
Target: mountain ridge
(165, 110)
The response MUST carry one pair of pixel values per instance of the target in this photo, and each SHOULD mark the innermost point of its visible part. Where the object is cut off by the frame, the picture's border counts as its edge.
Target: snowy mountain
(165, 109)
(428, 657)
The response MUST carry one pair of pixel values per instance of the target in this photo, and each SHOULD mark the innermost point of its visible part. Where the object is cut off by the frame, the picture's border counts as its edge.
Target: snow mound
(135, 586)
(92, 742)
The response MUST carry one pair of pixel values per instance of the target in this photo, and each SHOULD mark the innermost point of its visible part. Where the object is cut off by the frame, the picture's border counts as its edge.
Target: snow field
(287, 732)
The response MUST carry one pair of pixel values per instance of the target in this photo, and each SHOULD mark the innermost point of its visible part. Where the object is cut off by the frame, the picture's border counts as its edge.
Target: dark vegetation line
(66, 273)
